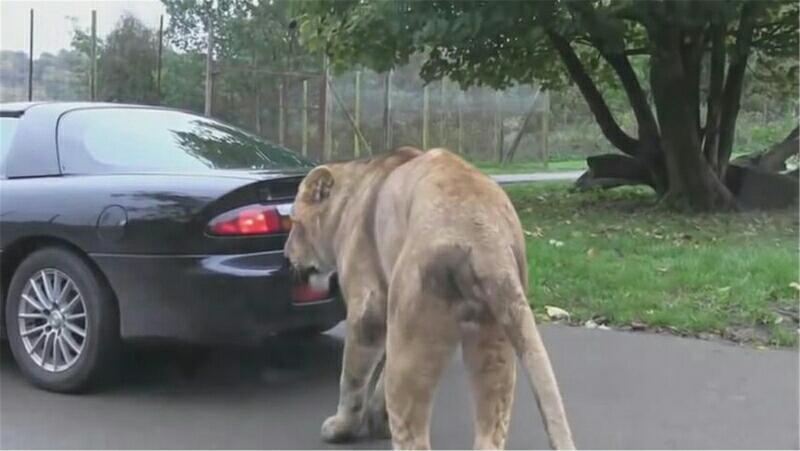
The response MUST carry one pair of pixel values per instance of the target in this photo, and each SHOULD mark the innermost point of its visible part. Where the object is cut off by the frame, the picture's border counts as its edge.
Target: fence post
(387, 110)
(357, 117)
(209, 94)
(323, 109)
(257, 94)
(305, 117)
(281, 110)
(546, 130)
(328, 145)
(443, 115)
(30, 62)
(460, 119)
(158, 63)
(425, 115)
(93, 83)
(498, 127)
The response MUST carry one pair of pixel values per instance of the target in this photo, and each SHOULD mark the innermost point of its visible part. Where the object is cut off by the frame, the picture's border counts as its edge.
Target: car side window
(125, 140)
(8, 128)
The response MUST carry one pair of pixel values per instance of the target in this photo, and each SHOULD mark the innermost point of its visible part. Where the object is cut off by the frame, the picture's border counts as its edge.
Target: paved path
(622, 390)
(506, 179)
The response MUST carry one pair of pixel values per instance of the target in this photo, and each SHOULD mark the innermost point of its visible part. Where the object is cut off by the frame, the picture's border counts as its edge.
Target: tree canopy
(681, 65)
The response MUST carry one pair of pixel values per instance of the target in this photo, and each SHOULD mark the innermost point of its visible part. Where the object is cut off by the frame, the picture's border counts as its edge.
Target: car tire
(53, 296)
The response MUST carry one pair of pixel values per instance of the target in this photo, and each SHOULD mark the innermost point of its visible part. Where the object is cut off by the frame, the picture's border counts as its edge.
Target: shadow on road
(272, 395)
(278, 364)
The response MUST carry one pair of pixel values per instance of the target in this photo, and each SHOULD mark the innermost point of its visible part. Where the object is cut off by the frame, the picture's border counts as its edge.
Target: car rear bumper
(209, 298)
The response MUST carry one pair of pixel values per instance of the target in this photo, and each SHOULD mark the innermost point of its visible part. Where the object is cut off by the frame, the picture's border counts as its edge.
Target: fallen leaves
(537, 232)
(556, 313)
(591, 324)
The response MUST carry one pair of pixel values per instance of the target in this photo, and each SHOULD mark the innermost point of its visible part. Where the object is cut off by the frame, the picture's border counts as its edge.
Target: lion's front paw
(378, 424)
(337, 429)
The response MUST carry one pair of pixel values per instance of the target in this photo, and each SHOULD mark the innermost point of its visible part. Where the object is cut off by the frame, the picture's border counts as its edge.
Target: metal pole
(281, 113)
(257, 88)
(209, 67)
(305, 118)
(546, 130)
(160, 51)
(323, 109)
(443, 115)
(387, 111)
(460, 119)
(498, 128)
(93, 82)
(328, 147)
(426, 103)
(30, 62)
(357, 117)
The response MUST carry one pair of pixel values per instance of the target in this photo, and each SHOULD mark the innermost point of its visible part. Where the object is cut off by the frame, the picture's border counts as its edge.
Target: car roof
(18, 108)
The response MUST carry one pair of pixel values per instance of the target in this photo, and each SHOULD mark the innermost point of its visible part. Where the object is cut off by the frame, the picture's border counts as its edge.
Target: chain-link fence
(322, 115)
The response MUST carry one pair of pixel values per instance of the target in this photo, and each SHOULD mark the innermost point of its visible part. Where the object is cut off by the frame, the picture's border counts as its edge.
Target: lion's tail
(516, 317)
(501, 288)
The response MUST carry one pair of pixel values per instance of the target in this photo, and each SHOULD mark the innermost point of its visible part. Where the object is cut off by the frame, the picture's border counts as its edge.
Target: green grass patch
(612, 256)
(493, 167)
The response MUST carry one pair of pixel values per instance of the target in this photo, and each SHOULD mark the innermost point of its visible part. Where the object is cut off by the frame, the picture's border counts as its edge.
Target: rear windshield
(8, 126)
(108, 140)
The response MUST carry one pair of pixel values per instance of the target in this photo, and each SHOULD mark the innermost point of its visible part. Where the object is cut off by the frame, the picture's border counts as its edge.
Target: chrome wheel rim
(52, 320)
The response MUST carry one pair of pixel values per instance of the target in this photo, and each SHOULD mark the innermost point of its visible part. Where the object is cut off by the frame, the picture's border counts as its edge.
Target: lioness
(429, 252)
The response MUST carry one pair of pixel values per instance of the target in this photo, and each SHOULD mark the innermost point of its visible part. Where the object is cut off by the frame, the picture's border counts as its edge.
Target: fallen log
(755, 188)
(752, 187)
(772, 159)
(612, 170)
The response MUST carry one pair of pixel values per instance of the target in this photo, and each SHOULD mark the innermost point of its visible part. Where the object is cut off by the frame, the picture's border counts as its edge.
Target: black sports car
(124, 222)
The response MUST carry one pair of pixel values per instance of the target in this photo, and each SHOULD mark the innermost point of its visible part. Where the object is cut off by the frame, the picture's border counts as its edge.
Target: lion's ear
(318, 184)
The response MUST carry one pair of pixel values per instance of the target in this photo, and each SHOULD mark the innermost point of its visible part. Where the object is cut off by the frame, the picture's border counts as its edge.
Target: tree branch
(608, 125)
(716, 80)
(732, 92)
(616, 56)
(648, 127)
(691, 52)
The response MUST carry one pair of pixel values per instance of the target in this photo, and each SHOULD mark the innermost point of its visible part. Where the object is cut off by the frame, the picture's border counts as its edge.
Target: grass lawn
(611, 257)
(493, 167)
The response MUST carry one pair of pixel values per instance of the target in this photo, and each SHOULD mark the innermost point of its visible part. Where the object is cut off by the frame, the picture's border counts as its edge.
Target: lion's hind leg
(490, 361)
(422, 336)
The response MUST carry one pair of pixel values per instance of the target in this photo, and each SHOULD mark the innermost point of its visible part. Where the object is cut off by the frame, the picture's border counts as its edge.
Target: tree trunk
(684, 161)
(691, 181)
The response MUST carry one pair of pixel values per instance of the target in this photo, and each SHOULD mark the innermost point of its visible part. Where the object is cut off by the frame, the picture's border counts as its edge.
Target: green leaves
(501, 43)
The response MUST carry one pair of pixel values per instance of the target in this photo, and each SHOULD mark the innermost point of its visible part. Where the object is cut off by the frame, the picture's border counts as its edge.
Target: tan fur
(429, 253)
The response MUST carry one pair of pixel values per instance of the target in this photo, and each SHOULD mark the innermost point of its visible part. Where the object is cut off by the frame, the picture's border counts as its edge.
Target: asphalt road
(622, 390)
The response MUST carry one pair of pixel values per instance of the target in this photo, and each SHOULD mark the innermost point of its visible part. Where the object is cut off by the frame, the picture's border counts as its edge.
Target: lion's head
(309, 246)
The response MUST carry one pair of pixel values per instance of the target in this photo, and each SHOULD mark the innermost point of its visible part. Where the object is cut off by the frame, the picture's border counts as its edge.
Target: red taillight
(305, 293)
(250, 220)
